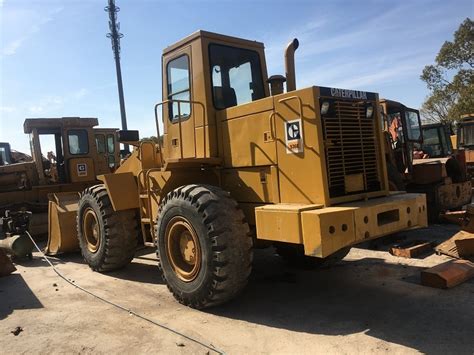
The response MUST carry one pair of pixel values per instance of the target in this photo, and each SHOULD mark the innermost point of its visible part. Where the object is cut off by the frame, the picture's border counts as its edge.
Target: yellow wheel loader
(81, 151)
(243, 164)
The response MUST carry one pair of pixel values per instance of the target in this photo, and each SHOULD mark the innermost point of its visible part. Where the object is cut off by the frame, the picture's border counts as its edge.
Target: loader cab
(437, 140)
(204, 74)
(5, 154)
(403, 126)
(465, 132)
(75, 156)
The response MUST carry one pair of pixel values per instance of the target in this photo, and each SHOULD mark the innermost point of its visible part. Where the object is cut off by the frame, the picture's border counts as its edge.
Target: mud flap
(62, 232)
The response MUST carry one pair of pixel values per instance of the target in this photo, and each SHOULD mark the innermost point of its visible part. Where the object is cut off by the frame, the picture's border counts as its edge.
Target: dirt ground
(370, 302)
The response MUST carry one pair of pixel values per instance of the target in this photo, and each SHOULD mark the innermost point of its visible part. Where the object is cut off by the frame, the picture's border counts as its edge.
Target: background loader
(243, 164)
(441, 177)
(81, 152)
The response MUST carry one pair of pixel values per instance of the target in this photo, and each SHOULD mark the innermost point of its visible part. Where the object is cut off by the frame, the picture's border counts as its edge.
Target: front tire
(204, 245)
(107, 238)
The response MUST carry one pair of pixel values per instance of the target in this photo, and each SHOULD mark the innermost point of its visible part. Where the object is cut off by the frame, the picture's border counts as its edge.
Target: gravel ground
(370, 302)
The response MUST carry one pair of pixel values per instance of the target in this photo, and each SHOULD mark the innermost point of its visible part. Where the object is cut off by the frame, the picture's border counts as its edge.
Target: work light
(324, 108)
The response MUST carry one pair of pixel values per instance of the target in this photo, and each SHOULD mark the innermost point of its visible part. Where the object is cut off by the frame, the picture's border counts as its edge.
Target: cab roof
(212, 36)
(58, 123)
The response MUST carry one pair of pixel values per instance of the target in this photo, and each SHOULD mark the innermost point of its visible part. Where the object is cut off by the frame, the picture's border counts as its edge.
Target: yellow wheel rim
(91, 230)
(183, 249)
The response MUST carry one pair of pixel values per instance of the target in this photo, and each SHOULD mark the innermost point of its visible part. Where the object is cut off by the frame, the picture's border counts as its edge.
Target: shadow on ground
(383, 300)
(15, 294)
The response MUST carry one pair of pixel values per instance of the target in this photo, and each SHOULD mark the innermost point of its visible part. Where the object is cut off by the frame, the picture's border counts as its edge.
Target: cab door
(178, 117)
(78, 159)
(108, 158)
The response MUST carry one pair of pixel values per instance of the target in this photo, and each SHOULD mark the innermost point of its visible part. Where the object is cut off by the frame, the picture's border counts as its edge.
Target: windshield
(435, 142)
(3, 156)
(236, 76)
(467, 135)
(413, 125)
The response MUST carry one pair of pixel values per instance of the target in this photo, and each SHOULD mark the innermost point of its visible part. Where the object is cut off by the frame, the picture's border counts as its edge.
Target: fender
(122, 189)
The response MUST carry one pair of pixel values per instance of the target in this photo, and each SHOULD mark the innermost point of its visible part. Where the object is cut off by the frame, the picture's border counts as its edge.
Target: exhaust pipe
(290, 65)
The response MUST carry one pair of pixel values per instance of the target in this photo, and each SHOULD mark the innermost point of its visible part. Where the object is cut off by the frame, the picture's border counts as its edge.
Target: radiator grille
(351, 148)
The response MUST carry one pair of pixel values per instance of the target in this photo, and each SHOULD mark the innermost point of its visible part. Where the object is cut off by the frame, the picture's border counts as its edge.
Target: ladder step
(146, 220)
(143, 195)
(149, 244)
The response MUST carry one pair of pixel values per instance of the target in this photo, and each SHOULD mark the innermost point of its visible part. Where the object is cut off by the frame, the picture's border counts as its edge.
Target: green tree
(451, 79)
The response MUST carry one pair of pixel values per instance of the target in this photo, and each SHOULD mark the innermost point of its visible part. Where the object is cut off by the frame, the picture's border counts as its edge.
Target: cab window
(100, 142)
(413, 125)
(236, 76)
(78, 142)
(110, 144)
(178, 88)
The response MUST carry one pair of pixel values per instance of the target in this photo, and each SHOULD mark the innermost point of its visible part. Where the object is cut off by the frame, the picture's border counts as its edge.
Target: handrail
(300, 103)
(272, 125)
(180, 119)
(300, 107)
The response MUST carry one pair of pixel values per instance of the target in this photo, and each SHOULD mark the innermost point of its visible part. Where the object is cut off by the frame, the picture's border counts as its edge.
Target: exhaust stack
(290, 65)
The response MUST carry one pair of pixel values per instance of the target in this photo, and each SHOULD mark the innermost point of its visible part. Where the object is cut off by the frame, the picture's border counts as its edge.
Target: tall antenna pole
(115, 36)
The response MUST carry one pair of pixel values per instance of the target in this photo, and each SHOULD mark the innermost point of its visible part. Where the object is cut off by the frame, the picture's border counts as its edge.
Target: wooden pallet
(459, 246)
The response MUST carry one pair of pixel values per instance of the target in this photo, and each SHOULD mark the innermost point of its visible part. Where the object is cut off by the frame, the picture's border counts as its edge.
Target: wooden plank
(450, 247)
(410, 249)
(448, 274)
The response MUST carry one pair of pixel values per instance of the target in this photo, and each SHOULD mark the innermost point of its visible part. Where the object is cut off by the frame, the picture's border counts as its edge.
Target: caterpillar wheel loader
(81, 152)
(465, 141)
(243, 164)
(434, 171)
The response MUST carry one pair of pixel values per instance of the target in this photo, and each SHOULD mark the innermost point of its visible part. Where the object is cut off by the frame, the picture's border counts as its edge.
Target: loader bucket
(62, 232)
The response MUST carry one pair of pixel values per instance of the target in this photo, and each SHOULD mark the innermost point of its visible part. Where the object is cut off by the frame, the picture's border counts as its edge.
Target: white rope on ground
(188, 337)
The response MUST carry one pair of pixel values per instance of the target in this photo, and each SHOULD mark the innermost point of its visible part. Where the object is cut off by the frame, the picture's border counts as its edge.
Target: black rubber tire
(225, 242)
(294, 256)
(118, 231)
(394, 178)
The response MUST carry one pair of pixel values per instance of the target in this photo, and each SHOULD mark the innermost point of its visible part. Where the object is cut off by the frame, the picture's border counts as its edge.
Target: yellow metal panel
(281, 222)
(245, 142)
(327, 230)
(382, 216)
(302, 175)
(250, 184)
(248, 109)
(81, 169)
(122, 189)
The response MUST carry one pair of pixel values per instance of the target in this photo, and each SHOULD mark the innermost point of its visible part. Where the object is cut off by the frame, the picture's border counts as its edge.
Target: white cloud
(79, 94)
(7, 109)
(37, 22)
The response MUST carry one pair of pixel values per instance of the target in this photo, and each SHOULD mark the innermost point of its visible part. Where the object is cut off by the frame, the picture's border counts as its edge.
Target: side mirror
(127, 136)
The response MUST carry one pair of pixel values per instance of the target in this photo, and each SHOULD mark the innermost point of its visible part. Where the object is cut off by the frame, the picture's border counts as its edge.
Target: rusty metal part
(183, 248)
(448, 274)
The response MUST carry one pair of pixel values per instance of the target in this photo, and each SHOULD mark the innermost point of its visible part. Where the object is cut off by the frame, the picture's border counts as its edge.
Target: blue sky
(56, 61)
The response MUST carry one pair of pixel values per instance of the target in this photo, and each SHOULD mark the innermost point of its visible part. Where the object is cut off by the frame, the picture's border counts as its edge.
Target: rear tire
(294, 256)
(107, 238)
(204, 245)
